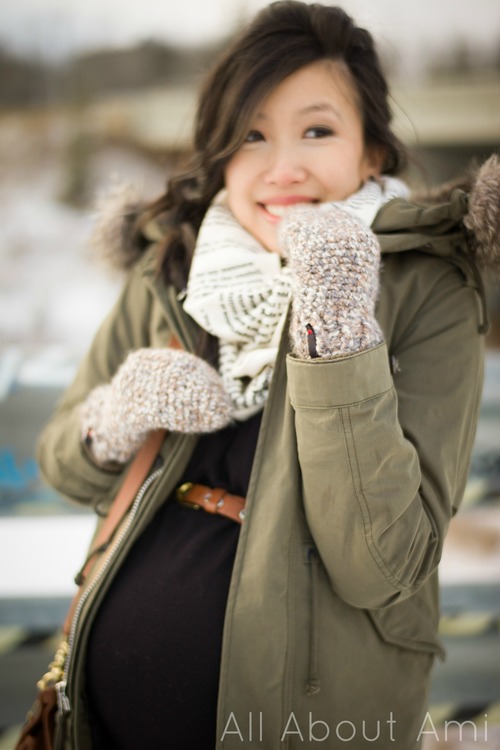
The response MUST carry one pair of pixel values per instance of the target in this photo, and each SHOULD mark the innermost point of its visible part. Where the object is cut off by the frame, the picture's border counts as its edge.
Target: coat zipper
(313, 683)
(64, 705)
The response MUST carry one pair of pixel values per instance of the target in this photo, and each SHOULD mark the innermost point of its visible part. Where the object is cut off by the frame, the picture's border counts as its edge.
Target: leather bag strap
(139, 470)
(137, 473)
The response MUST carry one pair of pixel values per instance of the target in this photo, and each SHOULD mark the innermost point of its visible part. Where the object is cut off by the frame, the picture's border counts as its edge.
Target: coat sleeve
(64, 462)
(385, 459)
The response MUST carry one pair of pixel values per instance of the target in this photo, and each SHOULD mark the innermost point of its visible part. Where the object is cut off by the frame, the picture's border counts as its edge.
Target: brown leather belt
(213, 500)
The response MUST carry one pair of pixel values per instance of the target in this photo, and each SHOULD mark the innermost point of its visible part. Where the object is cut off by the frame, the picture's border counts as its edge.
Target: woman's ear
(374, 161)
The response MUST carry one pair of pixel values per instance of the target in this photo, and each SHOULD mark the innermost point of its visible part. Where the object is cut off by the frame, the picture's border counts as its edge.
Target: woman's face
(305, 145)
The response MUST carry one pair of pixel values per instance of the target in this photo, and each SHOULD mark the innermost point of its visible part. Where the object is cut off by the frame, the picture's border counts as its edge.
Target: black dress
(154, 648)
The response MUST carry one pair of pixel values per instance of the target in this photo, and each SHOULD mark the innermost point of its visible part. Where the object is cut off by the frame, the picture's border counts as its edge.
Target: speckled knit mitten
(153, 388)
(335, 261)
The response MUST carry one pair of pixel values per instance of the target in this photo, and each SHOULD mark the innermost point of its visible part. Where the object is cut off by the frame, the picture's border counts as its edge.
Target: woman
(338, 398)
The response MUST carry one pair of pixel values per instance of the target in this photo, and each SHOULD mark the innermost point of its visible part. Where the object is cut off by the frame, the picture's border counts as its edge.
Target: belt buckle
(181, 492)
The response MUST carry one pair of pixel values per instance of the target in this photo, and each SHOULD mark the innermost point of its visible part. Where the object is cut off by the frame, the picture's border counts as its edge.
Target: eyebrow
(311, 109)
(320, 107)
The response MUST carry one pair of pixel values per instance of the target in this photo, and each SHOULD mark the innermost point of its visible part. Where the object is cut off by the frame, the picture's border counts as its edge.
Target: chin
(271, 247)
(269, 243)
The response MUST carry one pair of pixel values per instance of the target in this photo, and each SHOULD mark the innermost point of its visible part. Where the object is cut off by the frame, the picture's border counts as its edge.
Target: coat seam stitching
(327, 407)
(360, 497)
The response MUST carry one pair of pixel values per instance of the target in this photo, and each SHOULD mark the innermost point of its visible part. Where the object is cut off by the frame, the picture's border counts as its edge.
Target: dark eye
(318, 132)
(254, 136)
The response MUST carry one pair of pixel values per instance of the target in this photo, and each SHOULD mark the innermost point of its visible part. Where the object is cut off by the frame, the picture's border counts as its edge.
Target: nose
(284, 168)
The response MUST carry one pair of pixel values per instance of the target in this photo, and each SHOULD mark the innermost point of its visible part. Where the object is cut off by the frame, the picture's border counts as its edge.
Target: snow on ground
(52, 291)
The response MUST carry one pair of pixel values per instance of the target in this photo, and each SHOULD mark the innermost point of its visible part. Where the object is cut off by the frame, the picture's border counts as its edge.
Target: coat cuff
(335, 382)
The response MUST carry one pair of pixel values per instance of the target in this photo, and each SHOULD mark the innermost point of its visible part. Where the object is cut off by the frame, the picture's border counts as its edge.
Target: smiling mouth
(279, 210)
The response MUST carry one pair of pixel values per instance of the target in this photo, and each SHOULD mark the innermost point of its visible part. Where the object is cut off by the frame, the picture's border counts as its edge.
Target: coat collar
(179, 322)
(402, 225)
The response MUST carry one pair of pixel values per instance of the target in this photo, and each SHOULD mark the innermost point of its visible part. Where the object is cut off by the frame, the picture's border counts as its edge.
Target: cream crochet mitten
(152, 389)
(335, 262)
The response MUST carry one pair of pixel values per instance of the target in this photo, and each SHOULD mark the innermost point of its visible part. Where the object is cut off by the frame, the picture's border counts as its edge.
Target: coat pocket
(313, 562)
(410, 624)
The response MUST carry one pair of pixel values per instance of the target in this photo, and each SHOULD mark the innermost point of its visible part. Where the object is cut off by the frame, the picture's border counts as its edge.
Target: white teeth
(275, 210)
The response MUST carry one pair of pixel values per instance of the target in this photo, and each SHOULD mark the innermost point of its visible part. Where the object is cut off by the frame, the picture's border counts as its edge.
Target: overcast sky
(59, 27)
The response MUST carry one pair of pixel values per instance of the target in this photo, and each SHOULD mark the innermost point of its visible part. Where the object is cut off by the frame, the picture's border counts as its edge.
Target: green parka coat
(331, 622)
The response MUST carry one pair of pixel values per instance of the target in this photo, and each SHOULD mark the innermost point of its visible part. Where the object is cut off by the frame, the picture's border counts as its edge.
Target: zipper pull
(63, 704)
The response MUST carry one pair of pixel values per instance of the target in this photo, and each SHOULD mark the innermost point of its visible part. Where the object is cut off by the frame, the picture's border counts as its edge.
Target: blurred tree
(22, 82)
(29, 82)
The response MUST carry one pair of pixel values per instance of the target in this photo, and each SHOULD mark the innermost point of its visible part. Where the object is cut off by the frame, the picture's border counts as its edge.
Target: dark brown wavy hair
(282, 38)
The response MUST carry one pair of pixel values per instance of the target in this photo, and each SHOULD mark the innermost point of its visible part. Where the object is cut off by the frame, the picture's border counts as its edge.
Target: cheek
(228, 177)
(230, 173)
(235, 169)
(348, 172)
(234, 182)
(231, 193)
(237, 203)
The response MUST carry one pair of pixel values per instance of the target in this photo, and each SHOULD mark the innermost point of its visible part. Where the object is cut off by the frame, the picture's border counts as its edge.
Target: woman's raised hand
(335, 262)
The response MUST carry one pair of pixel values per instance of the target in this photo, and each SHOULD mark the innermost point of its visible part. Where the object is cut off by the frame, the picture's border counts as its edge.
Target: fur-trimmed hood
(483, 215)
(481, 186)
(475, 198)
